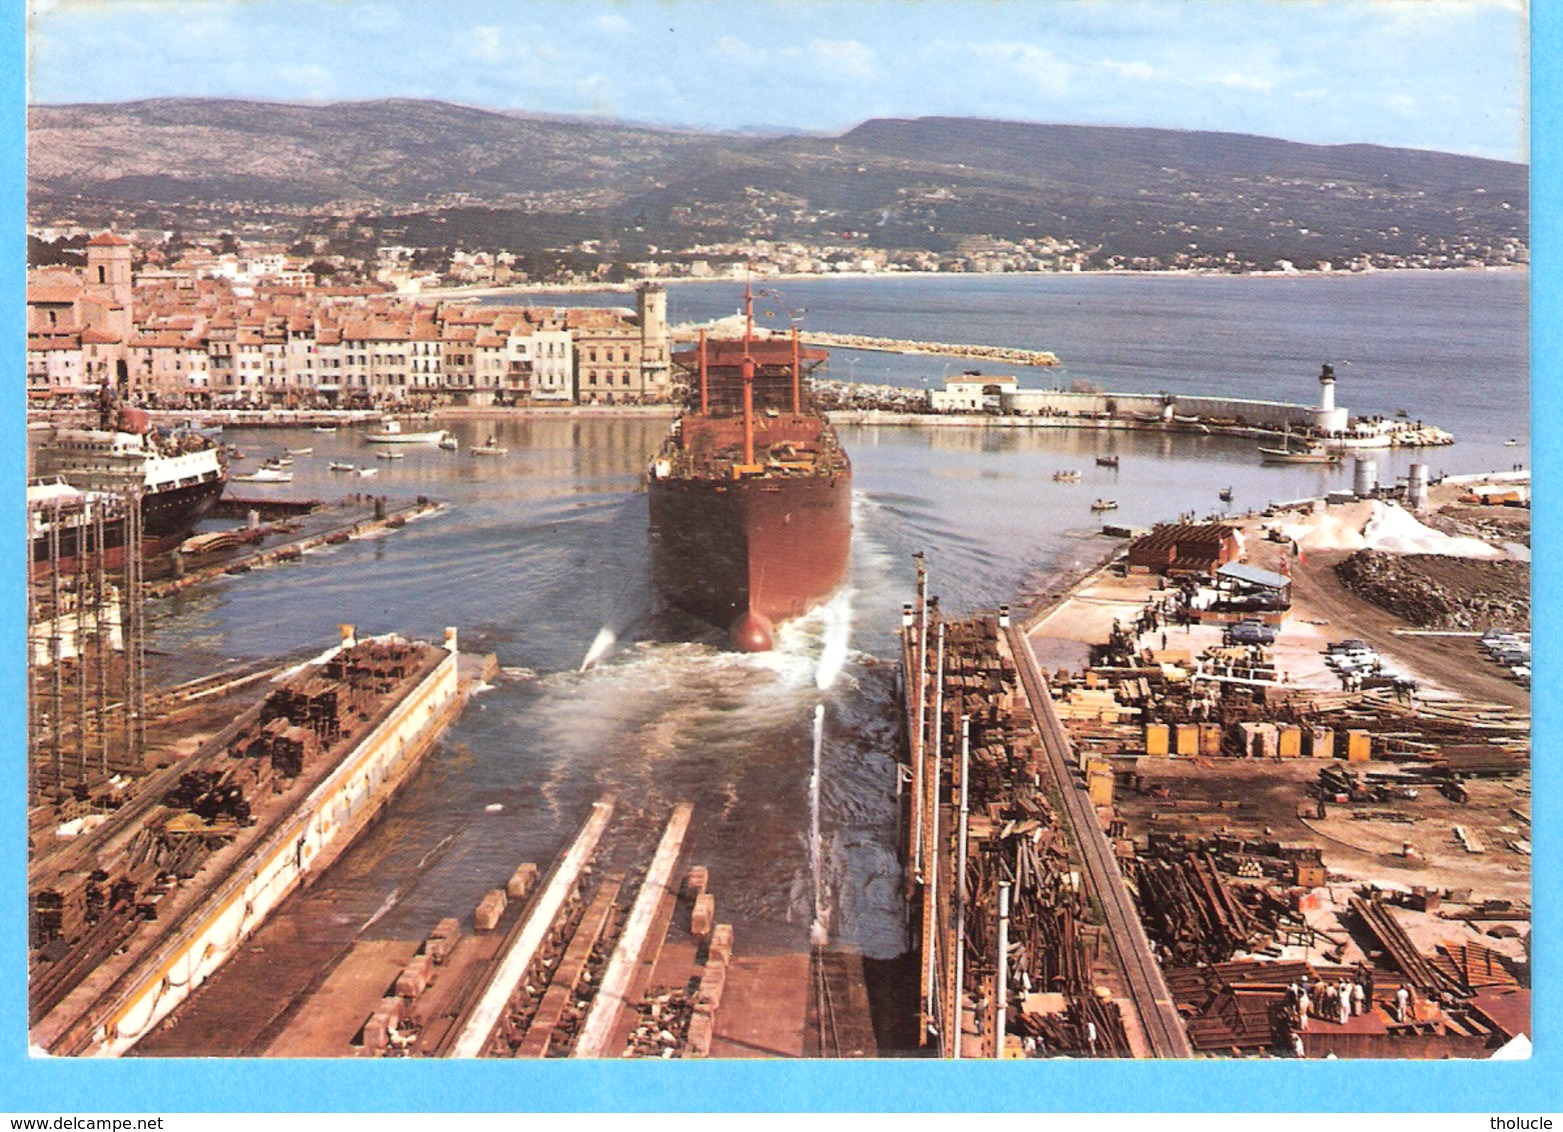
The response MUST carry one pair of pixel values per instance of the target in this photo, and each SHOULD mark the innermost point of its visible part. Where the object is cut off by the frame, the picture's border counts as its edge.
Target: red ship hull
(747, 555)
(751, 495)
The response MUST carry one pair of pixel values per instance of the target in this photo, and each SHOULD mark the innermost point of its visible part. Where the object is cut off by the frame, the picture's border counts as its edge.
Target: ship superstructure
(176, 477)
(750, 495)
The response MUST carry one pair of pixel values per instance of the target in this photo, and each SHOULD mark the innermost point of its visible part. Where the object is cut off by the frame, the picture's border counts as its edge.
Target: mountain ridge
(927, 183)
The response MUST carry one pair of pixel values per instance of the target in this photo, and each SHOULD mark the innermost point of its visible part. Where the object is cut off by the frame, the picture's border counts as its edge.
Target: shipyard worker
(1090, 1037)
(1402, 1002)
(1297, 1044)
(1303, 1006)
(1345, 1005)
(1358, 997)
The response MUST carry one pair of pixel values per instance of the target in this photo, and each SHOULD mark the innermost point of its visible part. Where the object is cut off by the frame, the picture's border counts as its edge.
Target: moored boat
(1066, 476)
(489, 447)
(266, 475)
(1107, 461)
(1312, 452)
(1105, 505)
(177, 477)
(391, 432)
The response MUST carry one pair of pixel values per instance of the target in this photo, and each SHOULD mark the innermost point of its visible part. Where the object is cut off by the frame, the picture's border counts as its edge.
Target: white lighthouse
(1327, 418)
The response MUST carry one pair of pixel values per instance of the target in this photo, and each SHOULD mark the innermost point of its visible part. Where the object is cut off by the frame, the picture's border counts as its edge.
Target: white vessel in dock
(391, 433)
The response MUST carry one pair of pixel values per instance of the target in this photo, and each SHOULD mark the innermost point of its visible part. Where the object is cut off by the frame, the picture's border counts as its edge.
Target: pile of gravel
(1437, 591)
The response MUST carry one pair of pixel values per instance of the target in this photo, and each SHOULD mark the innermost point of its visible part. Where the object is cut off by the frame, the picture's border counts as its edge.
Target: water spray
(818, 936)
(604, 641)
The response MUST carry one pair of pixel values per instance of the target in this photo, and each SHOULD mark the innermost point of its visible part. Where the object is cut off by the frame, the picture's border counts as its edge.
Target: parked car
(1252, 633)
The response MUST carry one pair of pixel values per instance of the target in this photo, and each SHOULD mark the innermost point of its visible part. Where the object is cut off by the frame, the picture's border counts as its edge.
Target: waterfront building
(252, 329)
(972, 393)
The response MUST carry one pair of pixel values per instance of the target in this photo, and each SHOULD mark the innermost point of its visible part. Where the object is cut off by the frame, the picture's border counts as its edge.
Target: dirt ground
(1358, 852)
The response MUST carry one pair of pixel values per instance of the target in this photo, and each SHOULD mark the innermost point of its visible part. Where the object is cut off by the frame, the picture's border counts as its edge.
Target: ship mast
(748, 374)
(797, 375)
(705, 401)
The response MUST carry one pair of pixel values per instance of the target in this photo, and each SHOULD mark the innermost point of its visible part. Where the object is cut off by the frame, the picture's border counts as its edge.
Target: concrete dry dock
(142, 909)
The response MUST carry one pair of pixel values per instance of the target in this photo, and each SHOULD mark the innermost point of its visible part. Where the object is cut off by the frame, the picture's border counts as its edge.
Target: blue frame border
(57, 1086)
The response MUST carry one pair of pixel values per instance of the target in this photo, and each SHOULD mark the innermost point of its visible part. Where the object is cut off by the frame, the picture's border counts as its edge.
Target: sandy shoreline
(628, 288)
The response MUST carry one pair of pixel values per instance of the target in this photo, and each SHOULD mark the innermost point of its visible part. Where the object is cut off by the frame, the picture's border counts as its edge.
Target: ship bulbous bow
(752, 632)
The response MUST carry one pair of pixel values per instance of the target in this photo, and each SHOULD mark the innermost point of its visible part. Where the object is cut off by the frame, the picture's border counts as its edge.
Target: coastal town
(213, 331)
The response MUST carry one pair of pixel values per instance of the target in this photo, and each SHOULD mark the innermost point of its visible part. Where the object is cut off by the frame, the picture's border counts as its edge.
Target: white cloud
(845, 57)
(736, 49)
(1239, 81)
(1037, 65)
(613, 24)
(374, 17)
(306, 80)
(488, 43)
(1134, 70)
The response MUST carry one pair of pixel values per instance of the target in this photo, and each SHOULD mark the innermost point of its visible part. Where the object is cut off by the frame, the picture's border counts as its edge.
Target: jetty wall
(307, 840)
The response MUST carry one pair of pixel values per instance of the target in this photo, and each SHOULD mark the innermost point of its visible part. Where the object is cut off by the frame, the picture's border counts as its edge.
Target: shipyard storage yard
(940, 715)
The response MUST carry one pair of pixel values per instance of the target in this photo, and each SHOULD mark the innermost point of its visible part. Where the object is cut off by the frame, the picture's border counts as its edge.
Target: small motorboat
(1107, 461)
(325, 428)
(1226, 495)
(368, 471)
(266, 475)
(391, 455)
(392, 433)
(278, 462)
(490, 447)
(1066, 477)
(450, 443)
(338, 466)
(1105, 505)
(300, 451)
(1511, 443)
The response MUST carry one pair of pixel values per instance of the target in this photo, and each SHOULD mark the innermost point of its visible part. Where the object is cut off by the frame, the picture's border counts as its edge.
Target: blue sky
(1431, 74)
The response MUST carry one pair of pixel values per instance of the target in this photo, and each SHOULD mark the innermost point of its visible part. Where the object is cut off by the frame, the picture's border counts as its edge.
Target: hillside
(442, 174)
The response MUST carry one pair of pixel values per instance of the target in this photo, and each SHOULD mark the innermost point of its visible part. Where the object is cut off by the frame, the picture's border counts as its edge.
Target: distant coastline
(628, 287)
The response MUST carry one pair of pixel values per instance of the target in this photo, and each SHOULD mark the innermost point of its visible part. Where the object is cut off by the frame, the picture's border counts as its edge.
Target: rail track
(1147, 989)
(826, 1032)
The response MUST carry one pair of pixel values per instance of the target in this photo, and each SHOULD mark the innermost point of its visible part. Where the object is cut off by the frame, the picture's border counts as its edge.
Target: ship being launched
(751, 493)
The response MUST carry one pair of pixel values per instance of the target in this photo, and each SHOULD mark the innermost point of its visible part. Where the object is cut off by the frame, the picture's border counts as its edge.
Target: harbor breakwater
(1252, 424)
(1007, 355)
